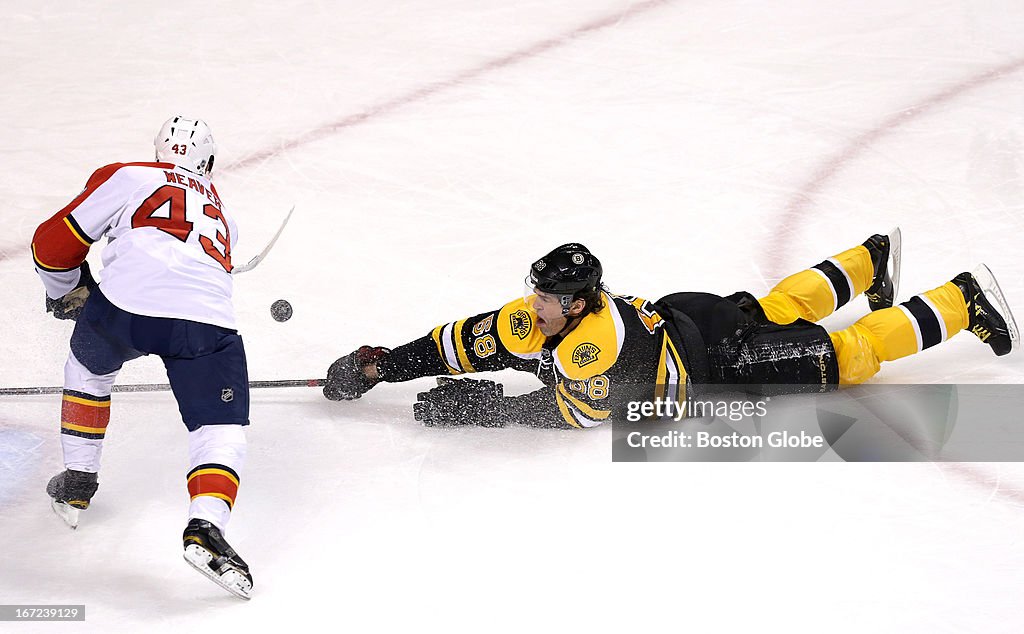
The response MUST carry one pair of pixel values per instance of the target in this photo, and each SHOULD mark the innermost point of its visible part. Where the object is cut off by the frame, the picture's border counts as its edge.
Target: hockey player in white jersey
(166, 290)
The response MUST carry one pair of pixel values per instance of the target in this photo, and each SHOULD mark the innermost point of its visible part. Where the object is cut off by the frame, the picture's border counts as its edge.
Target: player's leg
(776, 359)
(216, 456)
(97, 354)
(743, 350)
(923, 321)
(212, 391)
(871, 268)
(85, 412)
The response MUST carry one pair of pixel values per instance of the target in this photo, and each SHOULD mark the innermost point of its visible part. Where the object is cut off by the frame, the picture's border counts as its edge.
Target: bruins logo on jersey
(521, 323)
(585, 354)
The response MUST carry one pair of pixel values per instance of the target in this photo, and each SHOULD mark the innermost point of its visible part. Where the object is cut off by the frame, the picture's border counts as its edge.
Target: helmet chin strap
(570, 325)
(570, 322)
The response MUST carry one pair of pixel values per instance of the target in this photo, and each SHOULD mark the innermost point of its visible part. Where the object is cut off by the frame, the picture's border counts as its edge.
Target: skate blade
(232, 580)
(896, 254)
(66, 512)
(992, 290)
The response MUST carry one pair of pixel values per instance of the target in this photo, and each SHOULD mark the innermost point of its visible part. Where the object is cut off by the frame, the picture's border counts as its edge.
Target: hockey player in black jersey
(596, 351)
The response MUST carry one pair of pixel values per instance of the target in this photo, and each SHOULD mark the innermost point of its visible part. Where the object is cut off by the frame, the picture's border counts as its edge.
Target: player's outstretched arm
(460, 347)
(356, 373)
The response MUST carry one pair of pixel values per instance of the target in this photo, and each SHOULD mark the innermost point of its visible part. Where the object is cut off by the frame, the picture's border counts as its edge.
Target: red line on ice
(802, 202)
(459, 79)
(988, 482)
(425, 92)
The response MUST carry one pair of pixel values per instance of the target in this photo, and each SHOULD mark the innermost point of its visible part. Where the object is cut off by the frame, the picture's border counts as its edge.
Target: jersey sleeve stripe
(460, 347)
(448, 343)
(61, 245)
(587, 410)
(436, 336)
(564, 409)
(76, 230)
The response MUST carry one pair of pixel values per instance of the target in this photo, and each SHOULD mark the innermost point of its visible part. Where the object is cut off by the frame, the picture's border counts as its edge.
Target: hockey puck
(281, 310)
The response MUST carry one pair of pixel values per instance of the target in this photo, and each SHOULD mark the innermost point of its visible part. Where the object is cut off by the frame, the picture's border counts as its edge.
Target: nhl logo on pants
(227, 395)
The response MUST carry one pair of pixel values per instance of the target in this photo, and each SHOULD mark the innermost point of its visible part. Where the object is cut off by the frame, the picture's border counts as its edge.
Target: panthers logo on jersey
(521, 323)
(585, 354)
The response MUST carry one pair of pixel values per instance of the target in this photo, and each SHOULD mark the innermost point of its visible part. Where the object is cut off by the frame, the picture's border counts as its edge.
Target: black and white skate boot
(885, 257)
(207, 551)
(994, 326)
(71, 491)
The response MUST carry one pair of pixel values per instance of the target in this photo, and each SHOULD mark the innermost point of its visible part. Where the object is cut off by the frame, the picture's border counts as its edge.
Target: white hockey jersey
(169, 242)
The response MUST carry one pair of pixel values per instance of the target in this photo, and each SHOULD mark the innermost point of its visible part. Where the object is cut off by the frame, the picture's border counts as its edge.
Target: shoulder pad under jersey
(517, 328)
(593, 347)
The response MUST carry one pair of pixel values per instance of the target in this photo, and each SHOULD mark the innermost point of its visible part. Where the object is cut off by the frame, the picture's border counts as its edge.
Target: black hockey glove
(70, 305)
(456, 402)
(345, 378)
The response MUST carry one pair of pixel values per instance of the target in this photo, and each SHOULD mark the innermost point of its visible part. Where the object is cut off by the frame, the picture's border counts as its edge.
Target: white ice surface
(434, 149)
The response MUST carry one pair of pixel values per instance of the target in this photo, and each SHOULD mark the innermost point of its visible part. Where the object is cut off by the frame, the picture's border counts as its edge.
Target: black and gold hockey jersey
(619, 353)
(691, 345)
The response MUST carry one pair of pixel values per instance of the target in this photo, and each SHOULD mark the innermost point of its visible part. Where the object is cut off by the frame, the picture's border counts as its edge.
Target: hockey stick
(251, 264)
(154, 387)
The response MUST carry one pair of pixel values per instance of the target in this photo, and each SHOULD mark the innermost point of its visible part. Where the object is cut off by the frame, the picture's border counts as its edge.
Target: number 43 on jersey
(175, 222)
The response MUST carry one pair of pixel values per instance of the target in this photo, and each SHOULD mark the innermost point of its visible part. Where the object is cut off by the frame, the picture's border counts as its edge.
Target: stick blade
(251, 264)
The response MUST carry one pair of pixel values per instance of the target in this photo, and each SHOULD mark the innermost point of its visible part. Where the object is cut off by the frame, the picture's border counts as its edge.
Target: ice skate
(994, 326)
(885, 256)
(70, 492)
(207, 551)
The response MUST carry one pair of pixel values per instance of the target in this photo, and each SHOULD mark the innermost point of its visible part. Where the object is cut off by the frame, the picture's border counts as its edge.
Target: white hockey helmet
(188, 143)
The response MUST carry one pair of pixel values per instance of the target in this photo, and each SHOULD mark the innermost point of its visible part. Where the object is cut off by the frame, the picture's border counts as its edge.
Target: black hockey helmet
(570, 271)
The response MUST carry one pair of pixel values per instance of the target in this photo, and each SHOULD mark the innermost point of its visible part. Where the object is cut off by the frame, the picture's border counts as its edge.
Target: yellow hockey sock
(892, 333)
(819, 291)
